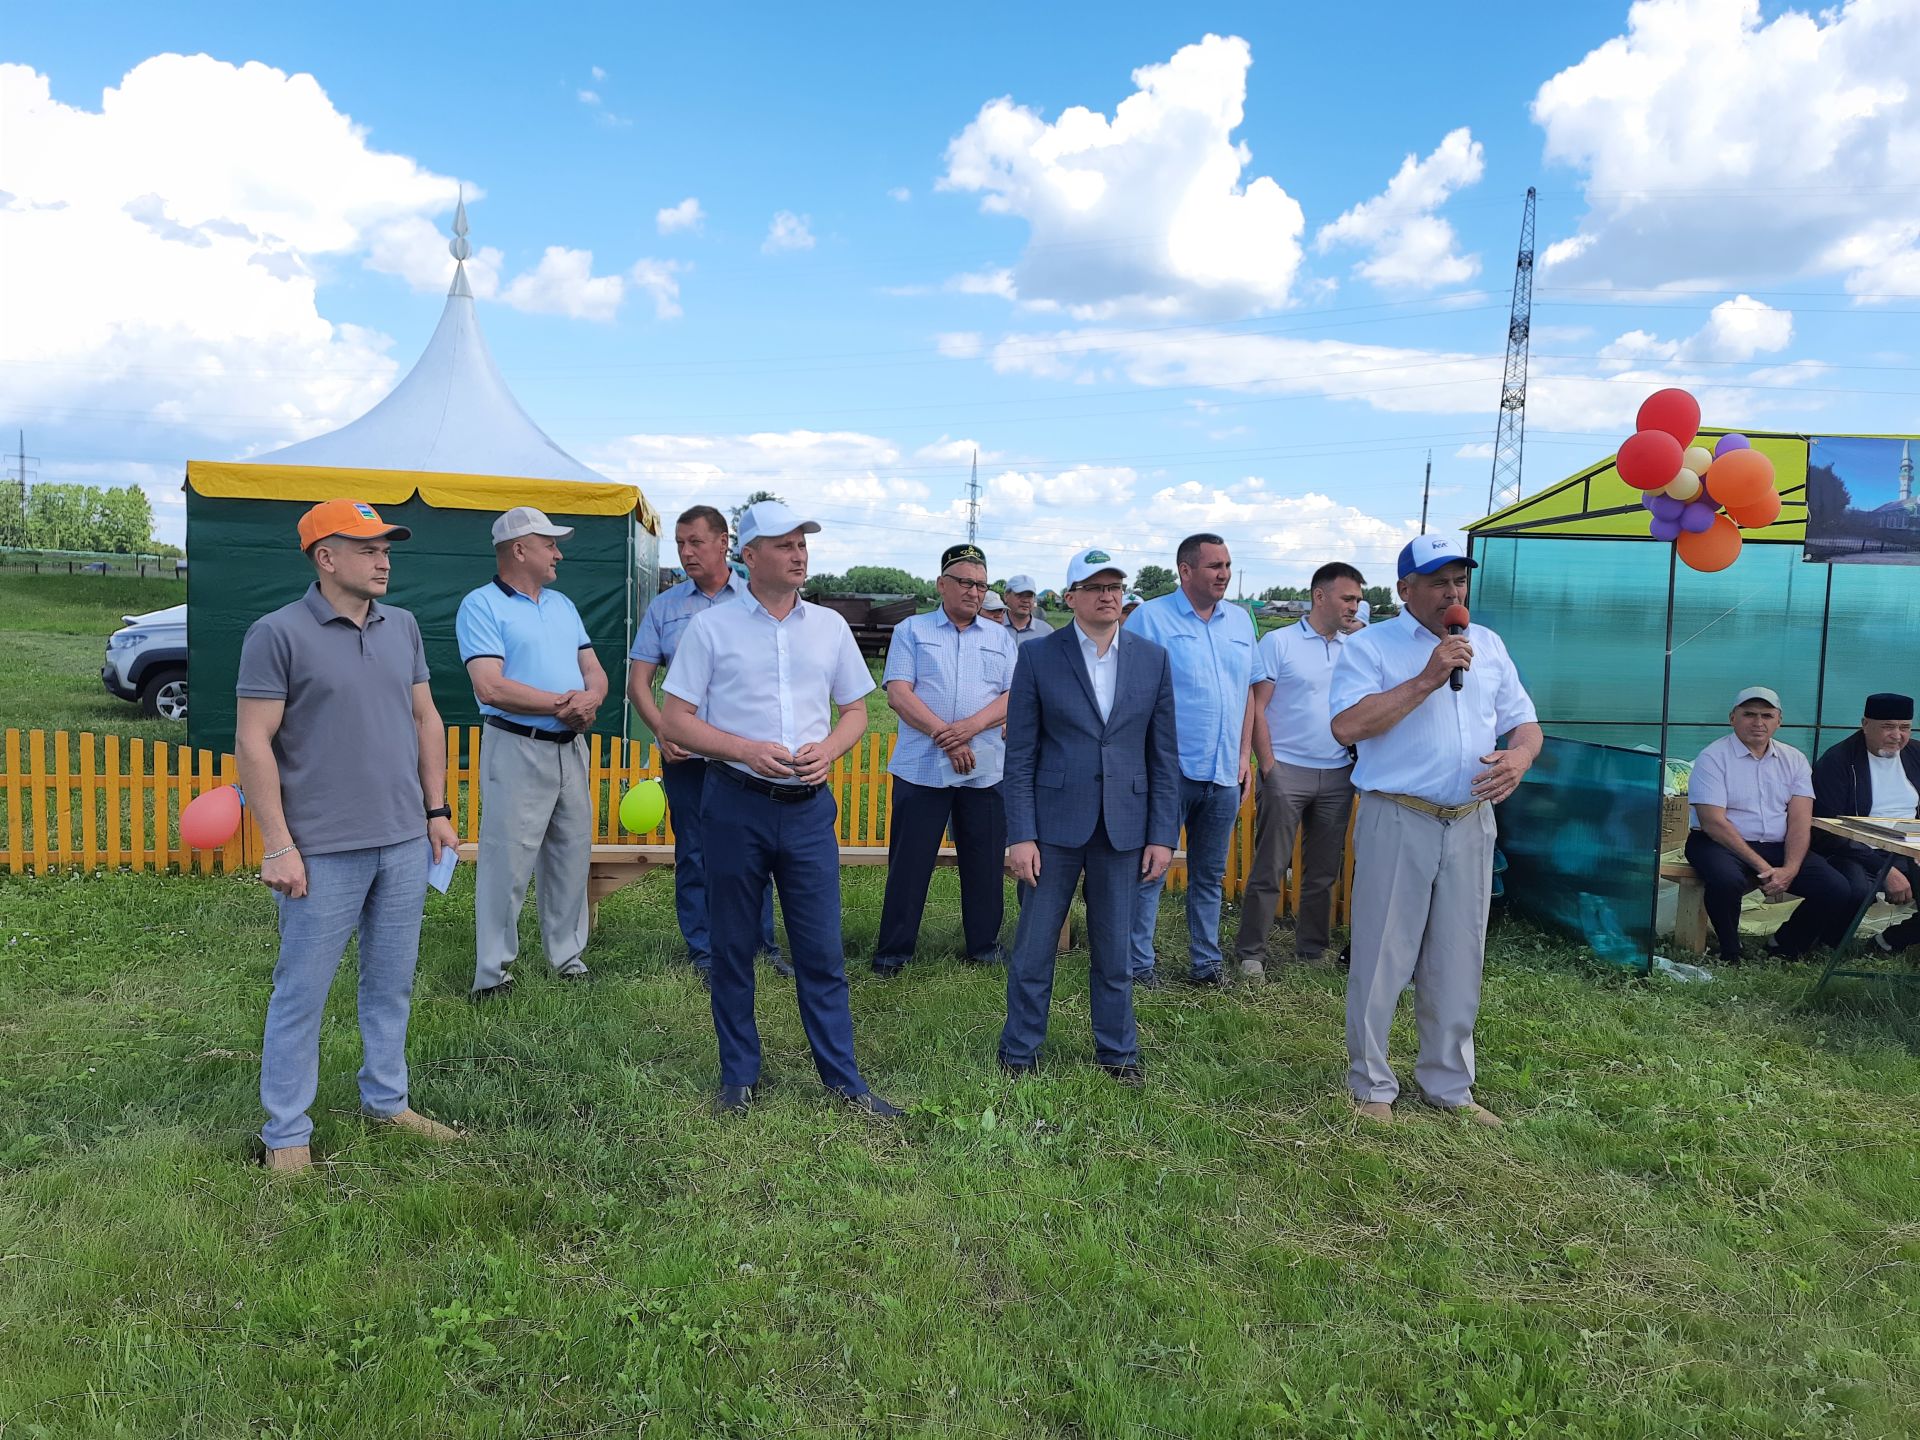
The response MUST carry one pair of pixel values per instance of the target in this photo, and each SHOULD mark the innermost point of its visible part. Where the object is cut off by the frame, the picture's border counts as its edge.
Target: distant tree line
(1376, 595)
(115, 521)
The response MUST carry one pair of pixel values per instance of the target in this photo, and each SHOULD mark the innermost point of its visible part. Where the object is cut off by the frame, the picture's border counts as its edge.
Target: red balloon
(1649, 459)
(211, 818)
(1673, 411)
(1757, 514)
(1739, 478)
(1713, 549)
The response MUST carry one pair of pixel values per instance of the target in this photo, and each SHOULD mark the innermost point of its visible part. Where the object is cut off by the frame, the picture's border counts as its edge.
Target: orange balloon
(1739, 477)
(1712, 549)
(1759, 514)
(211, 817)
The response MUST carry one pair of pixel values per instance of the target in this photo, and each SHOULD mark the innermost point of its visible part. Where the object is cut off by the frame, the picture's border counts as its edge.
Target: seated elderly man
(1874, 772)
(1753, 816)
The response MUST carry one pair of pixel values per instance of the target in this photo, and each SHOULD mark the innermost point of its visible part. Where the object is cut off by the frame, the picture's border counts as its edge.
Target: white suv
(147, 662)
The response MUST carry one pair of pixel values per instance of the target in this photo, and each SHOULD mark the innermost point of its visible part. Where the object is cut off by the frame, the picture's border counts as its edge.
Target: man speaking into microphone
(1425, 698)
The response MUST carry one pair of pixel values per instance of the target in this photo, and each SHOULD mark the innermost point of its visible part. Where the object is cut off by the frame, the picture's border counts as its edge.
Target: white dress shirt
(1436, 750)
(1102, 670)
(1299, 660)
(1752, 789)
(1893, 797)
(766, 679)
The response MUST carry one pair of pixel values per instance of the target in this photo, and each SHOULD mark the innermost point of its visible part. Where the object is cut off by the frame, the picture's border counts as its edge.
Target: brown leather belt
(1448, 813)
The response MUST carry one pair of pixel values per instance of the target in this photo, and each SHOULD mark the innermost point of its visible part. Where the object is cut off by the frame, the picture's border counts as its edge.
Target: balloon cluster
(1700, 499)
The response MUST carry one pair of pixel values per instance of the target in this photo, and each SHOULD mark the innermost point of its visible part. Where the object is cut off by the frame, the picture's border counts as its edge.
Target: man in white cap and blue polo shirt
(540, 685)
(1092, 789)
(1022, 602)
(753, 686)
(1428, 775)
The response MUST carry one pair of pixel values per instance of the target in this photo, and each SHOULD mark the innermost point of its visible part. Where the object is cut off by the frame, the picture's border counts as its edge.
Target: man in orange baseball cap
(344, 760)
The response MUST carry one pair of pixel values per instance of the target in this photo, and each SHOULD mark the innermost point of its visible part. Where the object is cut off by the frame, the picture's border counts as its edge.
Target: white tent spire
(458, 247)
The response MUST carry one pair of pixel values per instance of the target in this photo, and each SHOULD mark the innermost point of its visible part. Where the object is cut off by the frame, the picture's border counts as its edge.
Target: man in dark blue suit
(1092, 787)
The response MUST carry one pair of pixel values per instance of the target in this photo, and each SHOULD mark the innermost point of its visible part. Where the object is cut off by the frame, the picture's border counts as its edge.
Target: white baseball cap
(1088, 563)
(1757, 692)
(523, 520)
(771, 518)
(993, 601)
(1021, 585)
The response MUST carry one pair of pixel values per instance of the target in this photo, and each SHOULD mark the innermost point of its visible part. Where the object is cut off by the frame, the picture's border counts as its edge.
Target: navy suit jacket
(1067, 770)
(1843, 785)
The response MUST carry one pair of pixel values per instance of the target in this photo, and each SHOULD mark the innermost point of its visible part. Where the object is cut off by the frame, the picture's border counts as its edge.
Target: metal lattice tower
(973, 502)
(1511, 433)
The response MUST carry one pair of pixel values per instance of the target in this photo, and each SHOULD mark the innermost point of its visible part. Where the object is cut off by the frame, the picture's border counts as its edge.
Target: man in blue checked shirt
(701, 535)
(947, 679)
(1210, 641)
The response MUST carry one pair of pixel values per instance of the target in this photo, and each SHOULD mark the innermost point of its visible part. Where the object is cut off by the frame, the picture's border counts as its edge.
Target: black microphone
(1456, 620)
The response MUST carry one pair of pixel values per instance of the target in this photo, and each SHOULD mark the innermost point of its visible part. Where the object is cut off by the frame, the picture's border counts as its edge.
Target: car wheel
(165, 694)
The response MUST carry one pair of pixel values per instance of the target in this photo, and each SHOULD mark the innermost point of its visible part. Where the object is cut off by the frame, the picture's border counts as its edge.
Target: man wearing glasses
(947, 678)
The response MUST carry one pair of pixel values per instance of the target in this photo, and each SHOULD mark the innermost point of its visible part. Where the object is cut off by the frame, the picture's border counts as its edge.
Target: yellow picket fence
(87, 802)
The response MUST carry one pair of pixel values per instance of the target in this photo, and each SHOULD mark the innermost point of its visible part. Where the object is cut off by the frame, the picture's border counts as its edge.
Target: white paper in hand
(440, 873)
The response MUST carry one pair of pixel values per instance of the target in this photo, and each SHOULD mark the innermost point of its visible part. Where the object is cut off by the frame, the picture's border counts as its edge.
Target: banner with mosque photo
(1862, 505)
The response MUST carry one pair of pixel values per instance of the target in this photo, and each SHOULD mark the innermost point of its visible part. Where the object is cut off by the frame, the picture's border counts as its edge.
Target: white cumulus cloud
(687, 215)
(1410, 246)
(1149, 211)
(788, 232)
(660, 280)
(563, 283)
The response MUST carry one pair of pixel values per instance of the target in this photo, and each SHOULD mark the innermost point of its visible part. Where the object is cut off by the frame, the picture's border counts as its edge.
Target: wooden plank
(876, 774)
(63, 788)
(36, 784)
(161, 845)
(115, 821)
(180, 853)
(232, 854)
(16, 853)
(89, 800)
(137, 804)
(203, 781)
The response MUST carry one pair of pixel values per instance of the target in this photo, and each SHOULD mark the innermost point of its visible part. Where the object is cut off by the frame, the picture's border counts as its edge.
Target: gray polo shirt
(348, 753)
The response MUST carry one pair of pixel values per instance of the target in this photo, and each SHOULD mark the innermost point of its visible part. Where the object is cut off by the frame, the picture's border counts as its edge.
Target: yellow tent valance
(237, 480)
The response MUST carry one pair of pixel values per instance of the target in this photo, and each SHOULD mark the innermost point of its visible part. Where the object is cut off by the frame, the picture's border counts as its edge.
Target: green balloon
(643, 807)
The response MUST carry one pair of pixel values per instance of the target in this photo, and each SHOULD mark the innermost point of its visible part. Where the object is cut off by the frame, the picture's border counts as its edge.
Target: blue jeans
(1112, 878)
(378, 893)
(757, 841)
(684, 783)
(1208, 812)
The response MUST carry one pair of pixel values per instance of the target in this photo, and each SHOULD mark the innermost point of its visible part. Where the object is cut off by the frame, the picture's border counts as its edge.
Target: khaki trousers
(535, 823)
(1421, 888)
(1290, 795)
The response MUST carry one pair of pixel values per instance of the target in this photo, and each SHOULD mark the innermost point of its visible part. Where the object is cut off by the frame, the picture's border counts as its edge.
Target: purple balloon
(1664, 529)
(1697, 517)
(1731, 442)
(1664, 506)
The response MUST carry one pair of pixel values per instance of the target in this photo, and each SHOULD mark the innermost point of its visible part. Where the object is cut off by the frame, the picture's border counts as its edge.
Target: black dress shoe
(1208, 980)
(887, 972)
(1149, 980)
(1133, 1074)
(779, 964)
(1013, 1069)
(868, 1103)
(577, 977)
(733, 1099)
(493, 992)
(995, 956)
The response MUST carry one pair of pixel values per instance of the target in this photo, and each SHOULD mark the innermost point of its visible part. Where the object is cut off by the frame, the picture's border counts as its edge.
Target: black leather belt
(528, 732)
(785, 794)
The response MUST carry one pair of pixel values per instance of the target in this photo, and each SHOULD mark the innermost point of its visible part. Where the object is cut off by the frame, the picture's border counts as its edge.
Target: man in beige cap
(540, 685)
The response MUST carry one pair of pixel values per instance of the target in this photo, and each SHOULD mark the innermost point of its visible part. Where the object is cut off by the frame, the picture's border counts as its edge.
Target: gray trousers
(535, 823)
(1290, 796)
(1421, 888)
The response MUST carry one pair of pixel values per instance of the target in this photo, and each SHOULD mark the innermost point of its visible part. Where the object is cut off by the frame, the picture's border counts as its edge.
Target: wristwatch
(440, 812)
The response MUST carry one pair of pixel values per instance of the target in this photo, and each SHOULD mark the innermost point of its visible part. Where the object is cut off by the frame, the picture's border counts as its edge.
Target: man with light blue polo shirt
(540, 685)
(1210, 642)
(701, 536)
(753, 687)
(947, 679)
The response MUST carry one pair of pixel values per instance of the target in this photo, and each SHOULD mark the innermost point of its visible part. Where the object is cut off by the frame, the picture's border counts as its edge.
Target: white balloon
(1697, 459)
(1684, 486)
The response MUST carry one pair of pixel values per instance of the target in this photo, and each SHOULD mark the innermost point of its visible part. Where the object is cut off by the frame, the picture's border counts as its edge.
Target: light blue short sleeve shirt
(538, 642)
(671, 612)
(954, 673)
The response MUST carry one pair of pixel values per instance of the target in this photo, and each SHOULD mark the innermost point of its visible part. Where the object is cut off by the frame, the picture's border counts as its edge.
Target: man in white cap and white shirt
(1022, 602)
(1428, 775)
(540, 685)
(753, 687)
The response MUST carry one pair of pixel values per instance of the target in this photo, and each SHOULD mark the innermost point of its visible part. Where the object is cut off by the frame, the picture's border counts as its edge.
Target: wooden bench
(1690, 907)
(614, 867)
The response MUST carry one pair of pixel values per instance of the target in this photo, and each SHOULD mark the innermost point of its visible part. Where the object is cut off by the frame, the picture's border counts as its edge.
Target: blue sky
(1244, 285)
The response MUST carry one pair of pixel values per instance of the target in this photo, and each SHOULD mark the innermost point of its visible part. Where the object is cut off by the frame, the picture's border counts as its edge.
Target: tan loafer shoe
(1252, 972)
(290, 1160)
(1378, 1111)
(1479, 1115)
(414, 1123)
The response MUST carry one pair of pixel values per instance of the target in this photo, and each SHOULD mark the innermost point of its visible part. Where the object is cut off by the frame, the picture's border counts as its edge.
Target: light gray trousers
(1421, 888)
(1293, 796)
(535, 823)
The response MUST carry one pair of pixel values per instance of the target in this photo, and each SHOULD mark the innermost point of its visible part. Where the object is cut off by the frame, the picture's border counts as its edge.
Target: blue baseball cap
(1428, 553)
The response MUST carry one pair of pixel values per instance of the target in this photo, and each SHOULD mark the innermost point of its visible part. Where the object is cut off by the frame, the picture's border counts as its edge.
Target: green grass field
(54, 629)
(1700, 1220)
